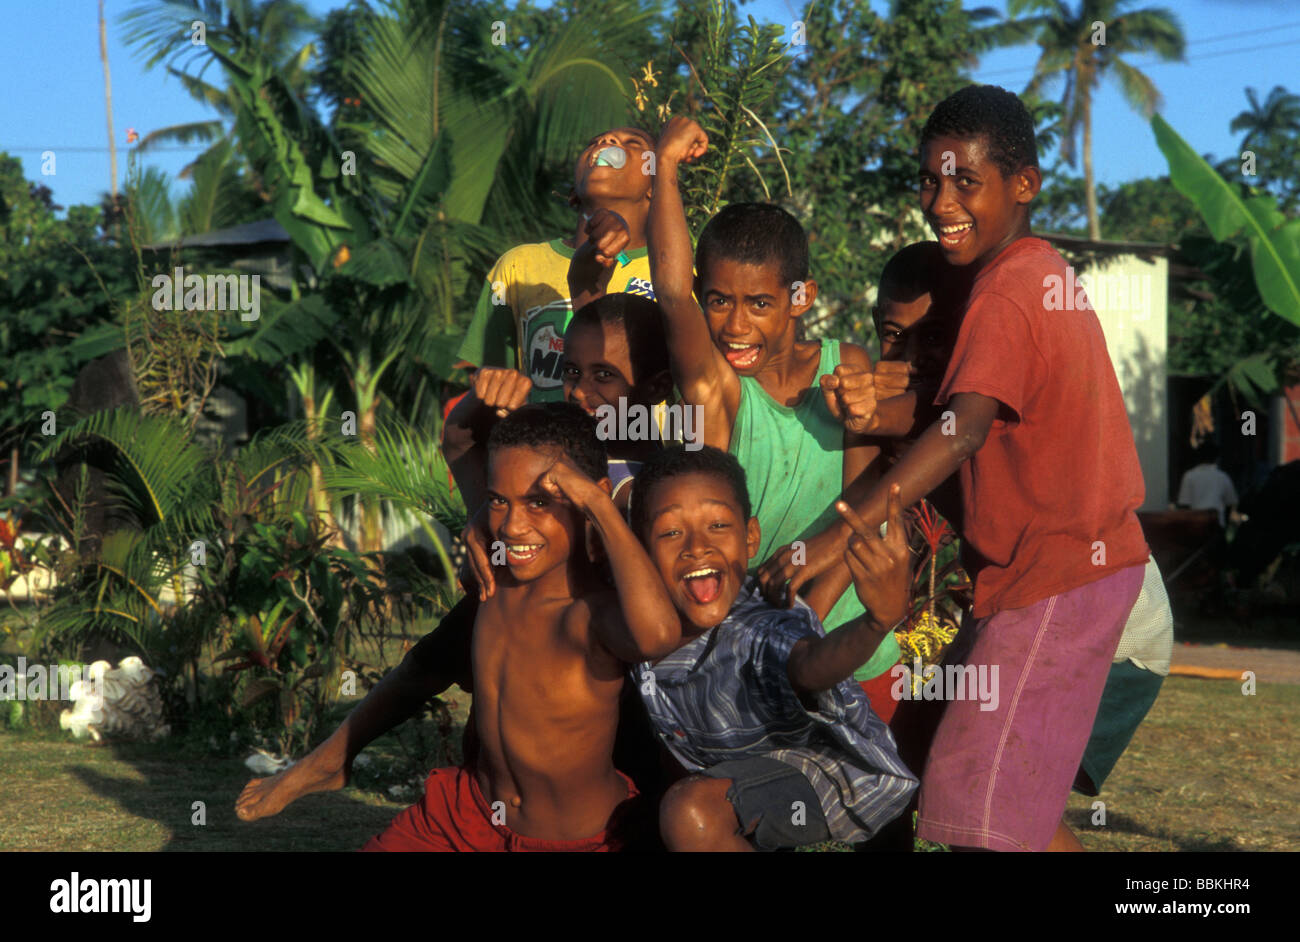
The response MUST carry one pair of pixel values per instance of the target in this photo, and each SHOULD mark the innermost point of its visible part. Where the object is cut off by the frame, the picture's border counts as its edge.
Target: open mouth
(703, 585)
(953, 235)
(741, 356)
(518, 554)
(609, 156)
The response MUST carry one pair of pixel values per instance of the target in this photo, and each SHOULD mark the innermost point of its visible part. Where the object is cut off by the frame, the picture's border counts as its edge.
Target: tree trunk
(1090, 185)
(320, 501)
(372, 530)
(11, 485)
(108, 102)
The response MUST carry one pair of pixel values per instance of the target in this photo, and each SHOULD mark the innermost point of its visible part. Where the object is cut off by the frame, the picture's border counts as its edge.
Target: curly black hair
(756, 233)
(560, 425)
(996, 114)
(675, 461)
(641, 322)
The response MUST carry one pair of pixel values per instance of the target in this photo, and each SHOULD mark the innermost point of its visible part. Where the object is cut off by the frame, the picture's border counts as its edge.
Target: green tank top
(794, 464)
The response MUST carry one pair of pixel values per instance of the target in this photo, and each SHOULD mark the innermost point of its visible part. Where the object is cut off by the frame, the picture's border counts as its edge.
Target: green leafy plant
(1273, 239)
(1258, 228)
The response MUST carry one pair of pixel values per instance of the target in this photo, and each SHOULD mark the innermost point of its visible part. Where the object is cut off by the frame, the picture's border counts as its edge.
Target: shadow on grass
(1081, 822)
(177, 792)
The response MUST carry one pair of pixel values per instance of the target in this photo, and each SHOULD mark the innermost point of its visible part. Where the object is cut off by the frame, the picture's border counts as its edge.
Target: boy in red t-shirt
(1035, 425)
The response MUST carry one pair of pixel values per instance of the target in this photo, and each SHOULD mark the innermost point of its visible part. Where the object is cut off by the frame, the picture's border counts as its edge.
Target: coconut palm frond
(158, 469)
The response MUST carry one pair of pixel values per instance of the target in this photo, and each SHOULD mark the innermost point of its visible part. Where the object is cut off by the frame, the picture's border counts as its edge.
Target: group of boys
(692, 647)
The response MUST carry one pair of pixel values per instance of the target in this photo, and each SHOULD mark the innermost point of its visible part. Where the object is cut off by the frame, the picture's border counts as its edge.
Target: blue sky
(54, 96)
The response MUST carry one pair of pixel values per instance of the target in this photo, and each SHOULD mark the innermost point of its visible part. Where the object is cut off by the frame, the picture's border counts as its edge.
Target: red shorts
(454, 816)
(879, 695)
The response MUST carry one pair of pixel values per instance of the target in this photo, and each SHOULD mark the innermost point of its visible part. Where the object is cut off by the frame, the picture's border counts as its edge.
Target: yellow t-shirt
(525, 307)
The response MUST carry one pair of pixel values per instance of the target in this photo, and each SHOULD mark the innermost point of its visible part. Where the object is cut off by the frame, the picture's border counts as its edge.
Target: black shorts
(775, 804)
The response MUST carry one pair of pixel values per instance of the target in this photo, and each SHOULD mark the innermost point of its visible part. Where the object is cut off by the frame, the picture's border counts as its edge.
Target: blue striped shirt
(727, 695)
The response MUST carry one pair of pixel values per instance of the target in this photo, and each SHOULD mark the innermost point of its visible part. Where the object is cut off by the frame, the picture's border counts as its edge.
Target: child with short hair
(757, 701)
(1035, 423)
(917, 315)
(614, 347)
(543, 777)
(614, 351)
(618, 352)
(740, 359)
(526, 303)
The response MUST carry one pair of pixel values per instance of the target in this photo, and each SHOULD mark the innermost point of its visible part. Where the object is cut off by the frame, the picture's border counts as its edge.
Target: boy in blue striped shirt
(758, 702)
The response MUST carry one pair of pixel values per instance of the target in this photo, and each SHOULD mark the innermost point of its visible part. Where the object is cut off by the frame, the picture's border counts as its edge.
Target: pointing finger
(894, 515)
(858, 525)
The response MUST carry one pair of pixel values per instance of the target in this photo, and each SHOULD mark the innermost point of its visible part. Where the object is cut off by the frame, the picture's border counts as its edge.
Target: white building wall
(1131, 298)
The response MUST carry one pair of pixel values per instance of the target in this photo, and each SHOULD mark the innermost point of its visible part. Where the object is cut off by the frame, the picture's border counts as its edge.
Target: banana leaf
(1274, 241)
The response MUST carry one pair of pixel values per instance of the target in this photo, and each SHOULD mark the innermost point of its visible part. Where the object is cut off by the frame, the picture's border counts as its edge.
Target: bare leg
(696, 816)
(1064, 841)
(328, 767)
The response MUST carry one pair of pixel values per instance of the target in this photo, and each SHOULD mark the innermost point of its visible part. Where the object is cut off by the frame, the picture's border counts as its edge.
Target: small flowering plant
(941, 590)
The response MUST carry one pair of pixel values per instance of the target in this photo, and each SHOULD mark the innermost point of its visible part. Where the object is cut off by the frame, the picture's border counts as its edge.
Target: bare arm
(496, 393)
(699, 370)
(882, 575)
(861, 456)
(439, 660)
(929, 462)
(649, 626)
(594, 260)
(926, 465)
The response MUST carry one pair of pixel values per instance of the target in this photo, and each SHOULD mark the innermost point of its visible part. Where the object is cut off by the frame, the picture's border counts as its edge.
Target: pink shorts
(1000, 769)
(454, 816)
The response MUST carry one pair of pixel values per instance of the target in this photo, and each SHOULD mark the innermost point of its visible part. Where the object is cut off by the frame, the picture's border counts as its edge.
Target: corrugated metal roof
(250, 233)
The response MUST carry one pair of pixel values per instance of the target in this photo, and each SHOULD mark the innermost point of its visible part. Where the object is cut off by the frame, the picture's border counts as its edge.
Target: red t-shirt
(1050, 499)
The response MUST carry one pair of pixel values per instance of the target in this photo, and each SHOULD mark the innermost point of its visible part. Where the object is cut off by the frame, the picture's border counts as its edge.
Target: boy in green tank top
(772, 400)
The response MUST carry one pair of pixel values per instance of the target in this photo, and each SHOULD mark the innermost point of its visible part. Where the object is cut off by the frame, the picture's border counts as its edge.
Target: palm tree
(451, 149)
(1280, 113)
(273, 27)
(1083, 45)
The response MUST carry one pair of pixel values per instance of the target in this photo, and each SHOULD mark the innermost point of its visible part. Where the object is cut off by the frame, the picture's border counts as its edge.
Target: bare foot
(263, 797)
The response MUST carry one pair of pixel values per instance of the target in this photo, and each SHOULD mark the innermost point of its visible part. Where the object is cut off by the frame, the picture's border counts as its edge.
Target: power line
(1245, 32)
(1228, 52)
(1154, 62)
(91, 150)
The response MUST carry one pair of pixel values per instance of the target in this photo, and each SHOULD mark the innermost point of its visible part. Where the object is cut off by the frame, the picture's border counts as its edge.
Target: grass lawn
(1210, 769)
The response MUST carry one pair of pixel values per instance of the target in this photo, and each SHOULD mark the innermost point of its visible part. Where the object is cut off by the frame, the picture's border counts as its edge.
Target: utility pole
(108, 101)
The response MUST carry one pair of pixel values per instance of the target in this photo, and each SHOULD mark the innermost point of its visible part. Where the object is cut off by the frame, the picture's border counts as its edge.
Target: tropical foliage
(1261, 232)
(403, 145)
(1081, 46)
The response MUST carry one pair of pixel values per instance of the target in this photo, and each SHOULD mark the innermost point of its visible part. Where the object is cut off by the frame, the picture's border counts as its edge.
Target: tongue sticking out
(741, 359)
(704, 589)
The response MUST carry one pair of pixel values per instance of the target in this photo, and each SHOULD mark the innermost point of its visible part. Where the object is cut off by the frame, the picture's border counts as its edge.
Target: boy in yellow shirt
(525, 305)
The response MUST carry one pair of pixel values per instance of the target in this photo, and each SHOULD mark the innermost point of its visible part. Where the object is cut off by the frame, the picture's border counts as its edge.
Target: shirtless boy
(550, 649)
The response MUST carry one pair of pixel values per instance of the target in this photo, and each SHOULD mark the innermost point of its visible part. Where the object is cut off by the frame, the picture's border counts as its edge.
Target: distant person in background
(1206, 487)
